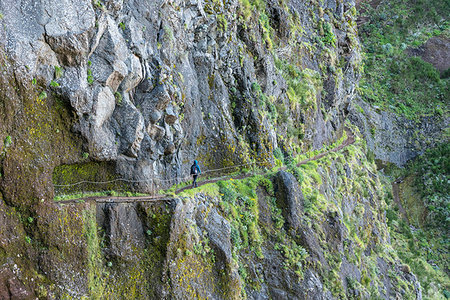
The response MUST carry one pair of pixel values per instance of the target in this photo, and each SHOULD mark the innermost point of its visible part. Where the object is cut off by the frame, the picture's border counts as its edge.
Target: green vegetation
(252, 232)
(303, 86)
(168, 34)
(253, 13)
(210, 189)
(393, 80)
(421, 251)
(424, 245)
(7, 142)
(87, 176)
(54, 84)
(266, 103)
(42, 95)
(58, 72)
(118, 97)
(425, 251)
(99, 4)
(329, 38)
(98, 194)
(90, 78)
(240, 204)
(96, 274)
(222, 23)
(432, 183)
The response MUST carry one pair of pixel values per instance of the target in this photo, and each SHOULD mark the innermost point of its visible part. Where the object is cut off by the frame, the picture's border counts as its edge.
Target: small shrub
(42, 95)
(328, 38)
(267, 184)
(298, 174)
(222, 23)
(278, 154)
(118, 97)
(99, 4)
(168, 34)
(90, 78)
(8, 141)
(256, 88)
(58, 72)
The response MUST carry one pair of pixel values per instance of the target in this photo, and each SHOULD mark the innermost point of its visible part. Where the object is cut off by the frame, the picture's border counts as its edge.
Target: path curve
(396, 196)
(350, 140)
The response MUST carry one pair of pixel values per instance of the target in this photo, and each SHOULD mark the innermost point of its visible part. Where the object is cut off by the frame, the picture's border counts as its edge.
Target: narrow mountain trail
(396, 196)
(156, 198)
(350, 140)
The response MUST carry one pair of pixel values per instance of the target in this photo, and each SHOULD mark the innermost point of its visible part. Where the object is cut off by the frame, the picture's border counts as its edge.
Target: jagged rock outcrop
(289, 195)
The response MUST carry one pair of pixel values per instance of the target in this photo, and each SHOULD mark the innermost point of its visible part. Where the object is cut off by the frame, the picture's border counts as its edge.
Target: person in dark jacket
(195, 171)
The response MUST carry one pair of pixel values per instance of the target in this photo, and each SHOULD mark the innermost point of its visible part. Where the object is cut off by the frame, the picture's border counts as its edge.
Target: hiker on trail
(195, 171)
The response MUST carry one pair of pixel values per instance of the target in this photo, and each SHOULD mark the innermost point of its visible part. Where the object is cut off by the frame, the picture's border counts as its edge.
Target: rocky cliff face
(153, 85)
(393, 138)
(101, 90)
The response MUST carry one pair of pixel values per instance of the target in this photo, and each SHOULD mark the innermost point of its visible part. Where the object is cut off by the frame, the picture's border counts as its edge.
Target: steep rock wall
(393, 138)
(139, 89)
(154, 85)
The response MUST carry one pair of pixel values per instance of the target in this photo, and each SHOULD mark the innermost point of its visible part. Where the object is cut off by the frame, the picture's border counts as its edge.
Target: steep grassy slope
(421, 235)
(395, 77)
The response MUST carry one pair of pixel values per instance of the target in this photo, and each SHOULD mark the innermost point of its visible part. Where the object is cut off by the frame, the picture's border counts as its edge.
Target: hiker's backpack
(194, 170)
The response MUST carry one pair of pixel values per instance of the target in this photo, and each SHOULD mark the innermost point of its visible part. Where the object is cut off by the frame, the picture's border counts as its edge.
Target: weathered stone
(219, 231)
(155, 116)
(289, 198)
(114, 4)
(170, 149)
(131, 125)
(134, 73)
(124, 232)
(102, 144)
(70, 49)
(393, 138)
(104, 106)
(119, 72)
(11, 288)
(161, 97)
(170, 116)
(436, 51)
(156, 132)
